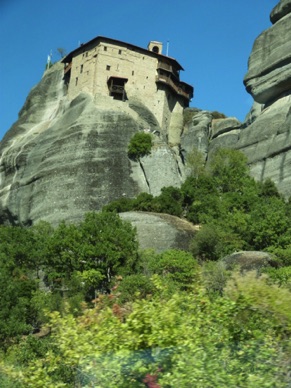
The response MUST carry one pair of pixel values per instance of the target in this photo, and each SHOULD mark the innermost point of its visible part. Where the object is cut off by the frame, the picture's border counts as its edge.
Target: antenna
(167, 52)
(49, 58)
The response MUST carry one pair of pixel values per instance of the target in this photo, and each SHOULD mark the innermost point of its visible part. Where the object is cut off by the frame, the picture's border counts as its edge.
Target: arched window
(155, 49)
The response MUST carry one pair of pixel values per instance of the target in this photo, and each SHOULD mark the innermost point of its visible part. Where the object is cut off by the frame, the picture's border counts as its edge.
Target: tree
(169, 201)
(229, 169)
(140, 145)
(195, 161)
(175, 266)
(61, 51)
(17, 284)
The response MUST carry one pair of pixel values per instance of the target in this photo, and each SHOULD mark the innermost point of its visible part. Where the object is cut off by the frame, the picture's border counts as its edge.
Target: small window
(87, 54)
(76, 83)
(105, 48)
(132, 73)
(108, 67)
(119, 51)
(81, 68)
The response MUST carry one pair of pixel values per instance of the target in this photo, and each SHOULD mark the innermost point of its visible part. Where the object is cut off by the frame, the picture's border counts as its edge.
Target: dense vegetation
(82, 306)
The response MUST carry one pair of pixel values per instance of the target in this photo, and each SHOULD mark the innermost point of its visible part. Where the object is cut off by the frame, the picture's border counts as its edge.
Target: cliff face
(265, 136)
(63, 158)
(267, 140)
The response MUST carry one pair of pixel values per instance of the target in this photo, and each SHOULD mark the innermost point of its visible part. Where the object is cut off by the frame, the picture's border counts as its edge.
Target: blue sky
(211, 39)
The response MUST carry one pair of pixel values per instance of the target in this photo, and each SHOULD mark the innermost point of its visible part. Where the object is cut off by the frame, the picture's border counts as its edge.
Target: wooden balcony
(67, 68)
(167, 67)
(179, 88)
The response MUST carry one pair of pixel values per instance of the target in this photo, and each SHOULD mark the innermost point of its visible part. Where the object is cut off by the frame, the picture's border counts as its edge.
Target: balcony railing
(176, 86)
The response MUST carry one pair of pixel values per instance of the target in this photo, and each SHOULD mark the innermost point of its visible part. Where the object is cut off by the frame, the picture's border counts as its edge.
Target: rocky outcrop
(281, 9)
(248, 261)
(269, 66)
(265, 135)
(63, 158)
(160, 231)
(196, 131)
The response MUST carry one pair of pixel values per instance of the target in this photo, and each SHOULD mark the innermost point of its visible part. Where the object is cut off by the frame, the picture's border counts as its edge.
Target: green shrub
(133, 287)
(140, 145)
(218, 115)
(188, 115)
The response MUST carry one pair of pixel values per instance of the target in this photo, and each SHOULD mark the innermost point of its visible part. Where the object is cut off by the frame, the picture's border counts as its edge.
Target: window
(87, 54)
(108, 67)
(76, 83)
(105, 48)
(132, 73)
(119, 51)
(81, 68)
(116, 86)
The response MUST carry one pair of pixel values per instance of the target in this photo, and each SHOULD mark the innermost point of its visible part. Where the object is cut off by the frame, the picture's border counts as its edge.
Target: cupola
(155, 47)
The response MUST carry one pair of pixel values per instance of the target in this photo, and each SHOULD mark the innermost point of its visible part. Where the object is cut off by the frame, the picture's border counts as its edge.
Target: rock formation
(161, 231)
(248, 261)
(63, 158)
(265, 136)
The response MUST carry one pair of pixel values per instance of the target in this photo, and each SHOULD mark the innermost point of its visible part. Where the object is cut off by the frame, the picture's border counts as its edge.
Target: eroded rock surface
(269, 66)
(248, 261)
(64, 158)
(160, 231)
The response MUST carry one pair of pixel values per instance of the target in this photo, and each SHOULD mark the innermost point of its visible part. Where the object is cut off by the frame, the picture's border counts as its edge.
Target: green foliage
(268, 189)
(133, 287)
(235, 212)
(71, 263)
(175, 266)
(229, 170)
(140, 145)
(169, 201)
(280, 276)
(152, 318)
(144, 202)
(283, 254)
(186, 339)
(269, 224)
(17, 284)
(119, 206)
(195, 161)
(214, 277)
(94, 251)
(207, 244)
